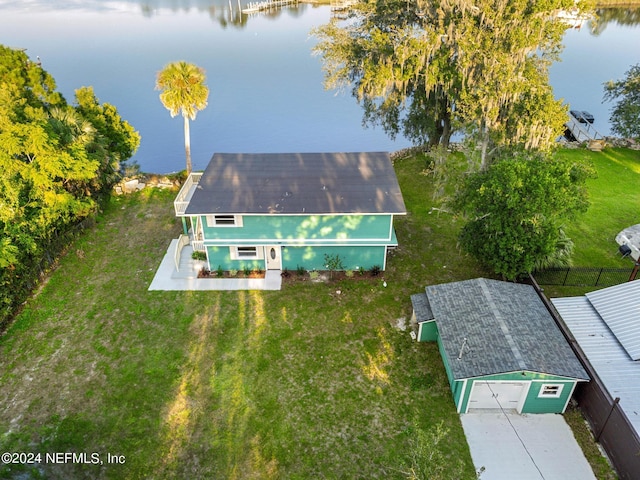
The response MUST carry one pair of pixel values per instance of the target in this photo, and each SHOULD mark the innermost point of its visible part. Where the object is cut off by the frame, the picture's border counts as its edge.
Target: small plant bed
(204, 273)
(325, 276)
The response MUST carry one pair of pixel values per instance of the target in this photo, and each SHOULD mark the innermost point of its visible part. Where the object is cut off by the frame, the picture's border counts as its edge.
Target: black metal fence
(583, 276)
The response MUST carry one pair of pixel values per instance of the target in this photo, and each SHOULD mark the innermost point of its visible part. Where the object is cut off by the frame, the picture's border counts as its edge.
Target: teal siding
(309, 257)
(458, 391)
(447, 367)
(428, 332)
(532, 404)
(221, 257)
(303, 228)
(312, 257)
(461, 389)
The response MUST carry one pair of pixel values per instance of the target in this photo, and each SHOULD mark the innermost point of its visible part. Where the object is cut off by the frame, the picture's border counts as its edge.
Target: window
(224, 221)
(548, 390)
(246, 253)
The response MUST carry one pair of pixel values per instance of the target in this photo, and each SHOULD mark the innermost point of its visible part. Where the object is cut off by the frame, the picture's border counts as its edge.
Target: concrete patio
(185, 276)
(508, 446)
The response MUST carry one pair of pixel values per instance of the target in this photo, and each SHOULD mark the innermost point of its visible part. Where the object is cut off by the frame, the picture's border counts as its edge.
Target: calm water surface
(266, 87)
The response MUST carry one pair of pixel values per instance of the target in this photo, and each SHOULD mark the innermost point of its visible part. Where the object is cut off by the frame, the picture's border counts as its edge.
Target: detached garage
(500, 346)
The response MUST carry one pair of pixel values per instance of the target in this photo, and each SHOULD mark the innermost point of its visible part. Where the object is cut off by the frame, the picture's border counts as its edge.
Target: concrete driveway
(523, 447)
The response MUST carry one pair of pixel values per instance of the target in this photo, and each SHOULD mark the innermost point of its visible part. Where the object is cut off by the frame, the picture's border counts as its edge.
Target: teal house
(500, 346)
(292, 210)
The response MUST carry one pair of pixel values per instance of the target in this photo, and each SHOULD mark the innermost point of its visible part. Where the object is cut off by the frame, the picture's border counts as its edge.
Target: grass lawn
(297, 384)
(615, 205)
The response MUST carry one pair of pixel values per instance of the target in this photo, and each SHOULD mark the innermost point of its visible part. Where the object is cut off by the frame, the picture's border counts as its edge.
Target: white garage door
(497, 394)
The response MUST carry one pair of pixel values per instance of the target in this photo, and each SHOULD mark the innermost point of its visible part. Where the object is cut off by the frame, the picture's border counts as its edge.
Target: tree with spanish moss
(428, 68)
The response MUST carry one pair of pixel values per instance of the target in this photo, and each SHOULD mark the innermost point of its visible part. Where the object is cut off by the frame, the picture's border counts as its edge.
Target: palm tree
(183, 91)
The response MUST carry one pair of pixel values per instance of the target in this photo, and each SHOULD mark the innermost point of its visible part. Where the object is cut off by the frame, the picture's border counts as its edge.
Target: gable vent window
(550, 390)
(224, 221)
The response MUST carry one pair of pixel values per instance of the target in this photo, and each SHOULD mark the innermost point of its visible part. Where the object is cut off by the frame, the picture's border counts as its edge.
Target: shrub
(300, 271)
(220, 271)
(197, 255)
(247, 271)
(333, 263)
(375, 270)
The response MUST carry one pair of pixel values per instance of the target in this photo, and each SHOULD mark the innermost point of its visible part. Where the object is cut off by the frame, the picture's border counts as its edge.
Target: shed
(500, 346)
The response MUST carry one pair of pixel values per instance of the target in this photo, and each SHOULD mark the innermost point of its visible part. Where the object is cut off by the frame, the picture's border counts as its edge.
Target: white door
(273, 255)
(505, 395)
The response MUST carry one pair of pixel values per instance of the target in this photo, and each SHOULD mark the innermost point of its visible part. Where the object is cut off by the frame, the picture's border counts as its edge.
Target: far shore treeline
(58, 163)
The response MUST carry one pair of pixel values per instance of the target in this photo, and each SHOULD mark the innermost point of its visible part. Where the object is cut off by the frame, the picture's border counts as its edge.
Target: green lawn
(297, 384)
(615, 205)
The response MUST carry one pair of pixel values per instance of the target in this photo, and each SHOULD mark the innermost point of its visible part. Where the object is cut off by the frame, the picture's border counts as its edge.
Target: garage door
(497, 394)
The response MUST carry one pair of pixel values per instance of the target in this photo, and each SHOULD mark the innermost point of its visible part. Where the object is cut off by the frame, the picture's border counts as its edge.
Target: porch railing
(198, 245)
(183, 240)
(185, 193)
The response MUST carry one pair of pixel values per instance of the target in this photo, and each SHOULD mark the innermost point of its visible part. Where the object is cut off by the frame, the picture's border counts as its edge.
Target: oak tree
(517, 208)
(429, 68)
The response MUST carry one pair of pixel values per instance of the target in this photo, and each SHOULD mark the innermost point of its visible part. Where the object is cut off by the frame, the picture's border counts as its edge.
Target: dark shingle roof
(298, 183)
(421, 307)
(507, 327)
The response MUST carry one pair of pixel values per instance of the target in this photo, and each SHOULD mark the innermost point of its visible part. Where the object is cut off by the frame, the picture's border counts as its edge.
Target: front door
(273, 255)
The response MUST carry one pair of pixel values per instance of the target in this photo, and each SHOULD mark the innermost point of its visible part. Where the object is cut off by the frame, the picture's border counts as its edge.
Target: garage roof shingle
(507, 329)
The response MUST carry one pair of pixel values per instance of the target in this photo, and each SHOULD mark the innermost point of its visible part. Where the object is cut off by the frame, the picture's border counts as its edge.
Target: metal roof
(619, 373)
(619, 307)
(490, 327)
(298, 183)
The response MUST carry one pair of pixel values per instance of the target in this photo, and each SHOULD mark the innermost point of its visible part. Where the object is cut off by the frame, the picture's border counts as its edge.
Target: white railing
(183, 240)
(582, 132)
(198, 246)
(185, 193)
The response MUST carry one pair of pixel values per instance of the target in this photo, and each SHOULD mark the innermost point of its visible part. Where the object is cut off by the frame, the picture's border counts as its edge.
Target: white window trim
(556, 394)
(211, 221)
(236, 256)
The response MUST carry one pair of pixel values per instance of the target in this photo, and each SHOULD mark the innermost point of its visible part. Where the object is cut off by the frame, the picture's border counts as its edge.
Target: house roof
(298, 183)
(490, 327)
(619, 373)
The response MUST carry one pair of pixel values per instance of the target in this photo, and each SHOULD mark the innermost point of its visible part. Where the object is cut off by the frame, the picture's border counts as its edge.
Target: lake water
(266, 92)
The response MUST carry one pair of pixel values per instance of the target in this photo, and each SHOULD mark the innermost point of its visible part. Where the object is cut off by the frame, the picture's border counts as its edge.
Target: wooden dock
(256, 7)
(585, 132)
(342, 5)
